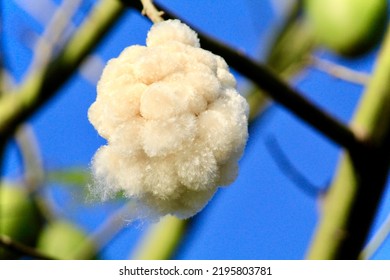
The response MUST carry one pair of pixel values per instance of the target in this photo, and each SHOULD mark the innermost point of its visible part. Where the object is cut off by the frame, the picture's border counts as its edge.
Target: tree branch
(280, 91)
(44, 47)
(17, 247)
(151, 12)
(339, 71)
(39, 88)
(355, 194)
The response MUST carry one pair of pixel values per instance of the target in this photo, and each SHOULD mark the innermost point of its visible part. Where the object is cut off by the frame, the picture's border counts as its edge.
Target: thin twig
(46, 44)
(29, 150)
(339, 71)
(377, 240)
(16, 107)
(31, 157)
(151, 11)
(112, 226)
(278, 89)
(41, 13)
(289, 170)
(34, 174)
(92, 68)
(17, 247)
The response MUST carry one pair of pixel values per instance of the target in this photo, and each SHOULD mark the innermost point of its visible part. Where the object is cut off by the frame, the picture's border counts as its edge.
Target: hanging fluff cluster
(175, 124)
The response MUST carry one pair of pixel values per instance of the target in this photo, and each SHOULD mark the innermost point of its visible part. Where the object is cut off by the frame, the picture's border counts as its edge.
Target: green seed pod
(20, 218)
(347, 27)
(63, 240)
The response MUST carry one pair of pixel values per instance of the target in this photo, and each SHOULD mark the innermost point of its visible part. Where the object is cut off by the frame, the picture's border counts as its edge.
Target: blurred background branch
(289, 170)
(354, 196)
(338, 71)
(47, 42)
(44, 77)
(377, 240)
(18, 247)
(41, 86)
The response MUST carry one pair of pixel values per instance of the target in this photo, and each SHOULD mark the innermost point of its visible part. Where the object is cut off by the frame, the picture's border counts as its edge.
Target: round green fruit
(63, 240)
(20, 219)
(348, 27)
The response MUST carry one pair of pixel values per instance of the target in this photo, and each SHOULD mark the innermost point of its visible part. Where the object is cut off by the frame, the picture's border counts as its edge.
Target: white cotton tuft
(171, 30)
(175, 124)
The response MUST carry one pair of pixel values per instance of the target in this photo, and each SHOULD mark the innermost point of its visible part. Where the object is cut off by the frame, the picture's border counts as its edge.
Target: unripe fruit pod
(63, 240)
(348, 27)
(20, 218)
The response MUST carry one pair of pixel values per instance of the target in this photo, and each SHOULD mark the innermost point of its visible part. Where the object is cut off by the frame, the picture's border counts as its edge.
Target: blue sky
(263, 215)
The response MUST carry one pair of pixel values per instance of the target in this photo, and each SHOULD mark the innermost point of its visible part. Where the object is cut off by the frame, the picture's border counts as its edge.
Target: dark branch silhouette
(274, 86)
(19, 248)
(289, 170)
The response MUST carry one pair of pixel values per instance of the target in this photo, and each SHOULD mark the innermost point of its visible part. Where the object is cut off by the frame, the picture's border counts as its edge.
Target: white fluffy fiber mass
(175, 124)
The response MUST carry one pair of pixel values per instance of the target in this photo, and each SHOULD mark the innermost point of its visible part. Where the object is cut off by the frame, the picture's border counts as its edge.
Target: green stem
(353, 199)
(161, 239)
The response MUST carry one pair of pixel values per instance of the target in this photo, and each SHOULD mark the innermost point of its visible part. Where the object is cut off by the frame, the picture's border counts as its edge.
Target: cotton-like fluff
(175, 124)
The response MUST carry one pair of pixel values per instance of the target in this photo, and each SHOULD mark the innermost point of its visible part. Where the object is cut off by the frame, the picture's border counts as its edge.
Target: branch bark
(277, 89)
(354, 196)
